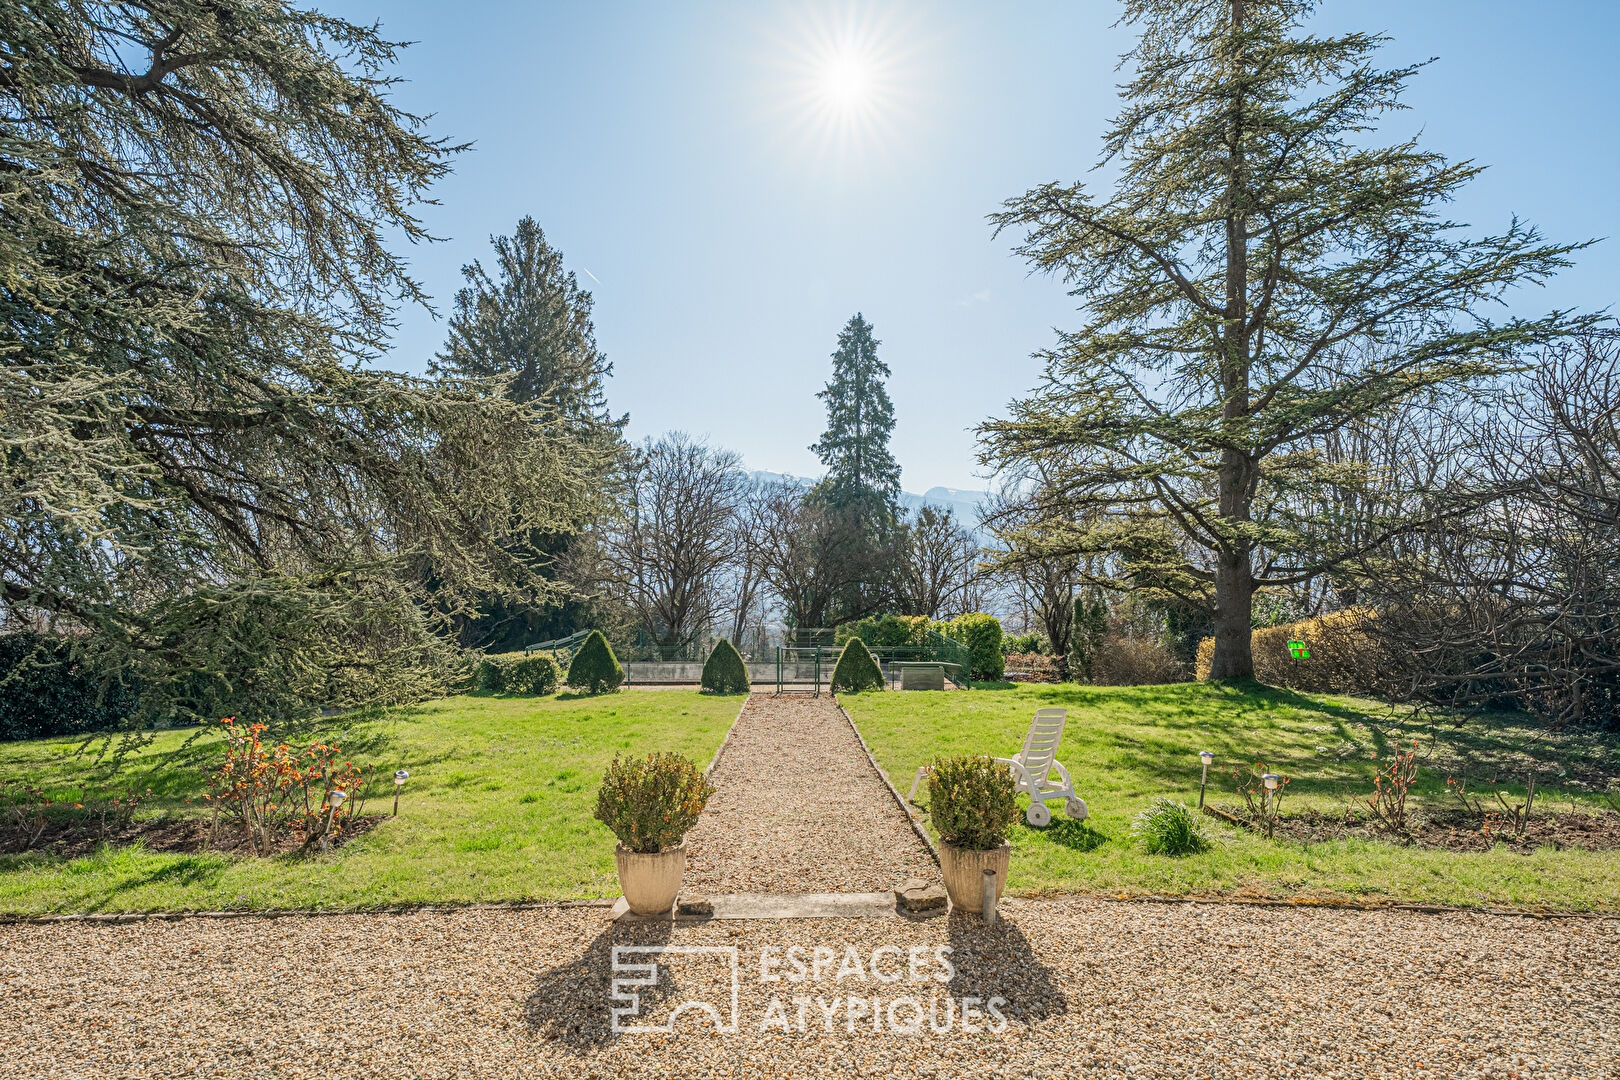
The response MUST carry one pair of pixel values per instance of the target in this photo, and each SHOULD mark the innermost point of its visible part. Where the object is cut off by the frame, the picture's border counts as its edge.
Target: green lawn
(1124, 746)
(499, 807)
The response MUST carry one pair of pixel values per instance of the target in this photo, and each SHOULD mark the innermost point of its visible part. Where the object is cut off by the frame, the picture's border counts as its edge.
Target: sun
(846, 81)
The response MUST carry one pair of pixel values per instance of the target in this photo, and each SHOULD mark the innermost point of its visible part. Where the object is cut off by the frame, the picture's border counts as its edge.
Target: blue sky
(734, 203)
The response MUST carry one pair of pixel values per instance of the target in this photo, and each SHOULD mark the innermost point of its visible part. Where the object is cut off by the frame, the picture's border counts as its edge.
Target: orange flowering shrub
(271, 790)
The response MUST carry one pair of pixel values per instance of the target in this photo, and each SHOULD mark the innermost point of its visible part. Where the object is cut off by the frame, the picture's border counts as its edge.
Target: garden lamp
(1208, 759)
(1270, 783)
(400, 776)
(334, 799)
(1270, 780)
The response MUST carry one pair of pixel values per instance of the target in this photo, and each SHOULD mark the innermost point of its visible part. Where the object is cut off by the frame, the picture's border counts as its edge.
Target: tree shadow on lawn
(186, 871)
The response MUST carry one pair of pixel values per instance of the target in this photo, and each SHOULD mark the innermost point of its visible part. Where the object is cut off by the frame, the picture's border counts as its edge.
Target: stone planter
(963, 871)
(651, 881)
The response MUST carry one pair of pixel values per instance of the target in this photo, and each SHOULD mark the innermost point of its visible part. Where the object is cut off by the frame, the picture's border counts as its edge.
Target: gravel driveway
(798, 808)
(1092, 988)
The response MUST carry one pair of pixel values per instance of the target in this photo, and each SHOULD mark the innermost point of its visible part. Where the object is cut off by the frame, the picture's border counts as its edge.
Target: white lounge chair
(1033, 766)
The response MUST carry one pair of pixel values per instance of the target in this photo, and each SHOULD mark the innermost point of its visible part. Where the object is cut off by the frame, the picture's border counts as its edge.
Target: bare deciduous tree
(808, 556)
(940, 560)
(676, 535)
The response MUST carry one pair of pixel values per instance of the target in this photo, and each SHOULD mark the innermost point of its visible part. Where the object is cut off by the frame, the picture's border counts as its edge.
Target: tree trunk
(1234, 595)
(1234, 569)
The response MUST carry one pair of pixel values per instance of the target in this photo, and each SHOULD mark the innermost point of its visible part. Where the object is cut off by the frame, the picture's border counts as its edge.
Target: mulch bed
(1450, 829)
(187, 835)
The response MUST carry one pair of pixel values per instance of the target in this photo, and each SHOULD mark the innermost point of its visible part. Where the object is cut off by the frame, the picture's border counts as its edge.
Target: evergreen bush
(535, 674)
(46, 690)
(724, 671)
(492, 672)
(973, 801)
(981, 634)
(856, 669)
(595, 669)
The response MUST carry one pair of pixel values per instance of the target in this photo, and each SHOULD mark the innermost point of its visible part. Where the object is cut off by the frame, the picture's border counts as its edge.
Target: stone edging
(1307, 904)
(607, 903)
(306, 913)
(922, 834)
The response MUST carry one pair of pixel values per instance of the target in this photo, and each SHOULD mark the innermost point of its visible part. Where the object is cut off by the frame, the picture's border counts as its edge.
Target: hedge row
(981, 633)
(1347, 656)
(46, 690)
(531, 674)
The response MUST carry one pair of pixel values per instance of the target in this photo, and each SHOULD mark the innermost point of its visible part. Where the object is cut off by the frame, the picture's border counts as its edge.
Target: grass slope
(499, 807)
(1125, 745)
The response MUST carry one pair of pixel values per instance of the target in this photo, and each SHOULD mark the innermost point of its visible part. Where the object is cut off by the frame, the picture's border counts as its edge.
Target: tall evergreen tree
(860, 418)
(858, 500)
(1261, 276)
(208, 487)
(531, 322)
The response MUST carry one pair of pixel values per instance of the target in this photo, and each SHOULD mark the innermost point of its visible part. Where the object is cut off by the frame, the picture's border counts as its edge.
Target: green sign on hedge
(1298, 651)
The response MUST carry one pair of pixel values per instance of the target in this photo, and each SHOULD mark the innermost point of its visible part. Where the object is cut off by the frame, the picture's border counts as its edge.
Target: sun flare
(848, 81)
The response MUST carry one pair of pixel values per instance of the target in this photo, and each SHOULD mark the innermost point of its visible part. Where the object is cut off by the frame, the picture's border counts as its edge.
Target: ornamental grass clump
(1168, 828)
(973, 801)
(651, 802)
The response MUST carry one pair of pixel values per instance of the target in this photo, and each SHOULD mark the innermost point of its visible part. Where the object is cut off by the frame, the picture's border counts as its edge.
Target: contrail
(590, 275)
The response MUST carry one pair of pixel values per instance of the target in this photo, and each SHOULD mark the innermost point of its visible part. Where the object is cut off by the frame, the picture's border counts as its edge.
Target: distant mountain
(964, 504)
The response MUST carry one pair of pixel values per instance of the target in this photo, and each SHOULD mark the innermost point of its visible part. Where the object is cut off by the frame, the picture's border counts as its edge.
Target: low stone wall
(687, 671)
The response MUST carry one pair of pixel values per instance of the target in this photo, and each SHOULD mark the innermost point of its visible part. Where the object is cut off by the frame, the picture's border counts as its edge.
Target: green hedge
(595, 669)
(888, 631)
(856, 670)
(531, 674)
(724, 671)
(46, 690)
(981, 634)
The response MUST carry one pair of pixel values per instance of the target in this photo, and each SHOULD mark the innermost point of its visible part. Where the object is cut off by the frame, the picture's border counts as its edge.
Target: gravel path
(798, 808)
(1093, 988)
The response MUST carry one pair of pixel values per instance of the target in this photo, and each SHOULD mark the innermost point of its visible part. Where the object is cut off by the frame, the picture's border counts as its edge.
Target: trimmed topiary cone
(856, 670)
(595, 669)
(724, 671)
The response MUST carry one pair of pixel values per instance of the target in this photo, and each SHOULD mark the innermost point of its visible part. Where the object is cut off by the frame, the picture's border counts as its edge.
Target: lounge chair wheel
(1076, 808)
(1038, 815)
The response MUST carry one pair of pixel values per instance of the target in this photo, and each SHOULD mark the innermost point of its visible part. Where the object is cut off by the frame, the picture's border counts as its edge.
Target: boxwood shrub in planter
(724, 671)
(650, 803)
(973, 803)
(856, 669)
(595, 669)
